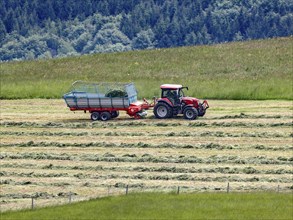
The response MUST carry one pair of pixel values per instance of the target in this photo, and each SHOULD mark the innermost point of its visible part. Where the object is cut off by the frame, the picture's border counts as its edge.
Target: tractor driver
(172, 95)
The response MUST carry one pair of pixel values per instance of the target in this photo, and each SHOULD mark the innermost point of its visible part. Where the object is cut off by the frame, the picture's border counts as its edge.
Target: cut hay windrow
(145, 168)
(108, 157)
(210, 145)
(143, 124)
(138, 134)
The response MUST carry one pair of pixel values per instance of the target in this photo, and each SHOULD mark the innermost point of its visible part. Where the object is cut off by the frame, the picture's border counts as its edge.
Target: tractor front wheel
(163, 110)
(190, 113)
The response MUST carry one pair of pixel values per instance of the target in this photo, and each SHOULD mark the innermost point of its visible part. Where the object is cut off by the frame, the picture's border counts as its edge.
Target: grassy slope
(244, 70)
(170, 206)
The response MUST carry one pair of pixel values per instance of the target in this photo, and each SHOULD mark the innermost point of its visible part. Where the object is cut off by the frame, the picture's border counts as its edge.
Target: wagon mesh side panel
(101, 95)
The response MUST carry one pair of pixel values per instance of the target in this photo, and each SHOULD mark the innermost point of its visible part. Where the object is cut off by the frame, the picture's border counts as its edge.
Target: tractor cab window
(172, 95)
(168, 93)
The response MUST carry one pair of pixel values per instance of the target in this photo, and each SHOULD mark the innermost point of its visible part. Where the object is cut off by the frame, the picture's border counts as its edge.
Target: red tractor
(173, 102)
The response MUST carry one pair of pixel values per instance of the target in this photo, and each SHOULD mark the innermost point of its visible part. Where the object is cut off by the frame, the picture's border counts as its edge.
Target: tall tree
(3, 32)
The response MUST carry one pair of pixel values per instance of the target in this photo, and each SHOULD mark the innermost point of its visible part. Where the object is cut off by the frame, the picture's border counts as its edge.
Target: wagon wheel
(95, 116)
(105, 116)
(114, 114)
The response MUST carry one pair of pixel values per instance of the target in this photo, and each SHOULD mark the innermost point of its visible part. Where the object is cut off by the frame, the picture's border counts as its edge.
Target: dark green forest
(36, 29)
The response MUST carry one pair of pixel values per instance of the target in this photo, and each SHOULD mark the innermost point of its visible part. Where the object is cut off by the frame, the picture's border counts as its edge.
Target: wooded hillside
(31, 29)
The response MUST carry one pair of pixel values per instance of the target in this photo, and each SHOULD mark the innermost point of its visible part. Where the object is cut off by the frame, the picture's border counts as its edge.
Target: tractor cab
(174, 102)
(172, 93)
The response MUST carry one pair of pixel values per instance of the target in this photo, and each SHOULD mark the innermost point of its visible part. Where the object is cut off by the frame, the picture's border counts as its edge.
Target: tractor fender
(167, 101)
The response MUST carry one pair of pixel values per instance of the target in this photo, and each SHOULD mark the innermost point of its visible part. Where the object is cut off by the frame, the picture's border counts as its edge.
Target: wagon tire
(163, 110)
(95, 116)
(190, 113)
(114, 114)
(105, 116)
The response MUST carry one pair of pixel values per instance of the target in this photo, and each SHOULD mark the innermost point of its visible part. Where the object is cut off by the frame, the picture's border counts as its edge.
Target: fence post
(108, 190)
(228, 187)
(126, 189)
(178, 189)
(278, 188)
(33, 202)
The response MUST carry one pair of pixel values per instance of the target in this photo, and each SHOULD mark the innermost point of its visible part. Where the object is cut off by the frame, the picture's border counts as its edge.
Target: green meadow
(170, 206)
(258, 70)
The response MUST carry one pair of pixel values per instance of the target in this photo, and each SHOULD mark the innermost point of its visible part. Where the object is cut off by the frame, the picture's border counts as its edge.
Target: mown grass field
(245, 70)
(170, 206)
(49, 152)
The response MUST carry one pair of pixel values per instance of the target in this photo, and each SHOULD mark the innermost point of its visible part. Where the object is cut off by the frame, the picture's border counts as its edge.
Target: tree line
(33, 29)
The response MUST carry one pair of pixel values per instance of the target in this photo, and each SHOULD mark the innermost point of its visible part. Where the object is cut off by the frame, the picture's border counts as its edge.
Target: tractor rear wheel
(95, 116)
(190, 113)
(105, 116)
(163, 110)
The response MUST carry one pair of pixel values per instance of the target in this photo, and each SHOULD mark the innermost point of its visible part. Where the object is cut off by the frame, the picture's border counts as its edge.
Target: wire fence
(35, 202)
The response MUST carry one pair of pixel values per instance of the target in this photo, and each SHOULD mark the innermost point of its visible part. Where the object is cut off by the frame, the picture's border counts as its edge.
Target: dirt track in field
(48, 151)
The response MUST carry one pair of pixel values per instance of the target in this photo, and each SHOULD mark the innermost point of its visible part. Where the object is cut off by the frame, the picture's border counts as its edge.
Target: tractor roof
(171, 86)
